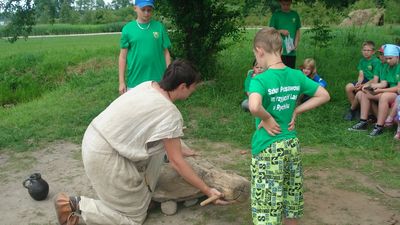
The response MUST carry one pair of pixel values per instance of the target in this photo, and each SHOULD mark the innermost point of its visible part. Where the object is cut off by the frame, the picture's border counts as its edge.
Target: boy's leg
(293, 185)
(350, 88)
(385, 100)
(267, 185)
(354, 101)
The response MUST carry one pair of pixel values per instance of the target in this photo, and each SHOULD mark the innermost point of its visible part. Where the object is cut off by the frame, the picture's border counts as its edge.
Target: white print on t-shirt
(282, 105)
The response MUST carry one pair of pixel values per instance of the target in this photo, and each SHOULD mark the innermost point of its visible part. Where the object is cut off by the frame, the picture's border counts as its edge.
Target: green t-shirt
(247, 81)
(391, 74)
(279, 89)
(370, 67)
(286, 21)
(145, 58)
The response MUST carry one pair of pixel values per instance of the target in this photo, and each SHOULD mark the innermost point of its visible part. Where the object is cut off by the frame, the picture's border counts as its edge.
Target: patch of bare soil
(326, 201)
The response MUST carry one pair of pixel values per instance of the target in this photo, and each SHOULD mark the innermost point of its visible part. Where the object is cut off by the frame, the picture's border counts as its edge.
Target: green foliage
(27, 70)
(392, 9)
(58, 29)
(363, 4)
(198, 34)
(22, 18)
(317, 11)
(320, 35)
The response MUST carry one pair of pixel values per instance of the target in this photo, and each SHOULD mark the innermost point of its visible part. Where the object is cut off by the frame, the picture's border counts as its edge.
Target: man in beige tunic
(122, 151)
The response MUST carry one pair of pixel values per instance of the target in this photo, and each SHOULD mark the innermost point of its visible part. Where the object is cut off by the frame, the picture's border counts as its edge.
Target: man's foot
(360, 126)
(378, 130)
(350, 115)
(67, 209)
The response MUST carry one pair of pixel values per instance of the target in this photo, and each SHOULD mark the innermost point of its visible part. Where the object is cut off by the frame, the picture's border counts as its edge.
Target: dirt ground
(60, 165)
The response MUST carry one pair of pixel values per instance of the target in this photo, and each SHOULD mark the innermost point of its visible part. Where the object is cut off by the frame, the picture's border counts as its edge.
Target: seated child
(367, 68)
(309, 69)
(250, 74)
(384, 92)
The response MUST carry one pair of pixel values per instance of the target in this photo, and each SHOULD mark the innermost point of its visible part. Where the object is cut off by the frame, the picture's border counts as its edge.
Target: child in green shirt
(288, 24)
(144, 48)
(276, 170)
(250, 74)
(368, 67)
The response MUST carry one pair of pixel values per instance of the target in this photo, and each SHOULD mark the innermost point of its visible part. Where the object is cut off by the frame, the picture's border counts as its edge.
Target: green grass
(32, 67)
(212, 113)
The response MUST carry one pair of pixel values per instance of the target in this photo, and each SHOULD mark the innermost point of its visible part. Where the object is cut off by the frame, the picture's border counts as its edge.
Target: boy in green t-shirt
(368, 67)
(144, 48)
(288, 24)
(277, 177)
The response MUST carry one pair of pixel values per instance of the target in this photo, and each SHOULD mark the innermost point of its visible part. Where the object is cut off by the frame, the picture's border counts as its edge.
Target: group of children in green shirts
(375, 93)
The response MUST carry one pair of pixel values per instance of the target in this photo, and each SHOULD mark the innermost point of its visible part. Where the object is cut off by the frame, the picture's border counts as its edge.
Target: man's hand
(220, 200)
(186, 152)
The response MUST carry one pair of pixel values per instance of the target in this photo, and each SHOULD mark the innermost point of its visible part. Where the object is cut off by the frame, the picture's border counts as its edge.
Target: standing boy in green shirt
(288, 24)
(277, 177)
(144, 48)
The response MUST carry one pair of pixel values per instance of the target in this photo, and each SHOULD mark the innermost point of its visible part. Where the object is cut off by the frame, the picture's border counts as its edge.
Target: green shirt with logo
(145, 59)
(279, 89)
(391, 74)
(370, 67)
(286, 21)
(247, 81)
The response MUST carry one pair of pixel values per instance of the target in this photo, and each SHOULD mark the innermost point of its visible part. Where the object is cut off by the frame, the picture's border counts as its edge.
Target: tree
(199, 29)
(45, 11)
(22, 18)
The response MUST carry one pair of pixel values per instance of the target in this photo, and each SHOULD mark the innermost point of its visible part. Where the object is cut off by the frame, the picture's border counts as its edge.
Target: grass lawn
(85, 70)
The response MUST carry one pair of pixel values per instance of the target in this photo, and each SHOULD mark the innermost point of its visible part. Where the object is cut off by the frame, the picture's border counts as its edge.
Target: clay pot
(37, 187)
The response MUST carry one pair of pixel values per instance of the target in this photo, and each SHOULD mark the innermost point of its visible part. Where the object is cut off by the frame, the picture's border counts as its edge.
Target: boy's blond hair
(370, 44)
(268, 39)
(310, 62)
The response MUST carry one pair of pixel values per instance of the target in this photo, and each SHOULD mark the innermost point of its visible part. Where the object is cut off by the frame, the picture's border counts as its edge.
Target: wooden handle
(209, 200)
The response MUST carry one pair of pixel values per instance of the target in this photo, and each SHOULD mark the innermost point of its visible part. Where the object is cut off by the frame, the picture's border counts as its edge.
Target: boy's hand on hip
(271, 126)
(293, 121)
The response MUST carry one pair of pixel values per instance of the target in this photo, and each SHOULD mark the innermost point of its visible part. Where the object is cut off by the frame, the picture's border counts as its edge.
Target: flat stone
(169, 207)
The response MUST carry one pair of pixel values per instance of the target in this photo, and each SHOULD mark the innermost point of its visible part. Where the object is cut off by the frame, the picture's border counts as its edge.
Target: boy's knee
(349, 87)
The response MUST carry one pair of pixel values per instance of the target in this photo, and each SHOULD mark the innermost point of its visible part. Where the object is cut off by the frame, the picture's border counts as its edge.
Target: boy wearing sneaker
(368, 67)
(275, 148)
(384, 92)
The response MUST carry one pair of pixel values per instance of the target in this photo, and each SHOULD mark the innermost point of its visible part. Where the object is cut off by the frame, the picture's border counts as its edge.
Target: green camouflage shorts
(277, 183)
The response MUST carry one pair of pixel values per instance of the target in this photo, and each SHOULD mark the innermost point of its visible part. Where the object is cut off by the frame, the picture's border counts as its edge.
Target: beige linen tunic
(122, 154)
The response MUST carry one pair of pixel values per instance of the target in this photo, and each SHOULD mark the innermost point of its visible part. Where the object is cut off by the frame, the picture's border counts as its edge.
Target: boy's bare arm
(167, 56)
(121, 70)
(297, 39)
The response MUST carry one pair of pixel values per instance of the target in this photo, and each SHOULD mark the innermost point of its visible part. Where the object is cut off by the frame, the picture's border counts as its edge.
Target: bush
(317, 11)
(392, 9)
(198, 34)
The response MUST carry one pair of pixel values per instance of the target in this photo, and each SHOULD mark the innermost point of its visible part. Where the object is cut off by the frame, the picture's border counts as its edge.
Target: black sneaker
(376, 131)
(350, 115)
(360, 126)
